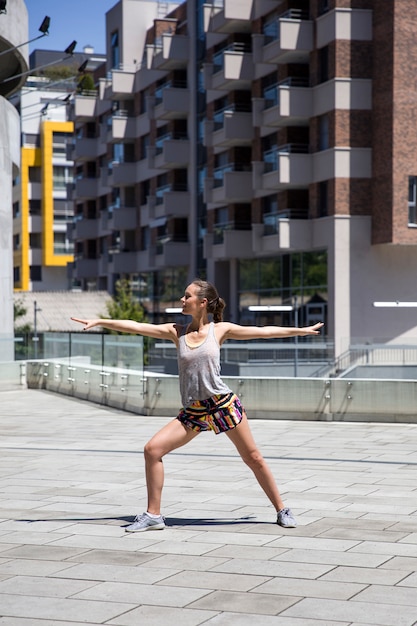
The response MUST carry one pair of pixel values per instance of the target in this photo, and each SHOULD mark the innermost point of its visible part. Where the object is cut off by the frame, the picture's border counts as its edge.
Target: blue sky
(82, 20)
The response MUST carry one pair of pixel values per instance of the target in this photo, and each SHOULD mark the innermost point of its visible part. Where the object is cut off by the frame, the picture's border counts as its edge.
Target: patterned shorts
(219, 413)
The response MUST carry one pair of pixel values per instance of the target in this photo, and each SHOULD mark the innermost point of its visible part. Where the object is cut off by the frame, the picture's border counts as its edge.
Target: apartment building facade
(266, 144)
(42, 205)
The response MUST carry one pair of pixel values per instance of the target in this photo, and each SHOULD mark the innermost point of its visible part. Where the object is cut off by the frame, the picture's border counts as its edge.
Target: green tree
(19, 310)
(86, 83)
(124, 305)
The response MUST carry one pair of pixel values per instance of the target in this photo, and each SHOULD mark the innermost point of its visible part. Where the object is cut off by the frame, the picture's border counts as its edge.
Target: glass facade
(275, 281)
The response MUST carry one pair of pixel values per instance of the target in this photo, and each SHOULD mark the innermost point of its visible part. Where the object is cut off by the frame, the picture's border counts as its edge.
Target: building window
(115, 50)
(412, 200)
(323, 64)
(34, 207)
(35, 240)
(323, 198)
(34, 174)
(323, 132)
(62, 176)
(276, 280)
(36, 272)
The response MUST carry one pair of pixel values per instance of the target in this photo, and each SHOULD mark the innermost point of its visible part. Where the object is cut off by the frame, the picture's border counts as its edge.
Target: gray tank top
(199, 369)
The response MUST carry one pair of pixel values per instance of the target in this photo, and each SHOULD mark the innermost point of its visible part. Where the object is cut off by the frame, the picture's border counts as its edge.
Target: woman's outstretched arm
(157, 331)
(235, 331)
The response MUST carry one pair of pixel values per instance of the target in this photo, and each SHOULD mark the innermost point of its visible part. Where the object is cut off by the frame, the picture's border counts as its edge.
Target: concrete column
(9, 166)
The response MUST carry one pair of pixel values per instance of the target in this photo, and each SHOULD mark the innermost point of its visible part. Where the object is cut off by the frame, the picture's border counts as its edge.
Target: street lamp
(43, 28)
(69, 51)
(35, 339)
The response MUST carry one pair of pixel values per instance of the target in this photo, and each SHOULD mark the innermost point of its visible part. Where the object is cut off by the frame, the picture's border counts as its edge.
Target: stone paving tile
(363, 612)
(217, 580)
(404, 596)
(158, 615)
(303, 571)
(311, 588)
(262, 604)
(57, 608)
(22, 621)
(159, 595)
(48, 587)
(368, 575)
(234, 619)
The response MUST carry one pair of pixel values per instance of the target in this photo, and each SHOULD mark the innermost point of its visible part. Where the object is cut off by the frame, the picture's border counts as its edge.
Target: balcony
(171, 52)
(86, 268)
(143, 125)
(229, 240)
(172, 252)
(342, 93)
(122, 83)
(86, 228)
(288, 38)
(126, 262)
(87, 149)
(122, 127)
(287, 103)
(146, 260)
(342, 162)
(170, 103)
(230, 183)
(228, 16)
(85, 107)
(283, 230)
(232, 68)
(124, 218)
(87, 187)
(172, 203)
(228, 128)
(124, 174)
(169, 153)
(282, 167)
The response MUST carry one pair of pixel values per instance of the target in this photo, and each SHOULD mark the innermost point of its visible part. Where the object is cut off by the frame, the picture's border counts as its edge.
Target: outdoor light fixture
(83, 66)
(273, 307)
(395, 304)
(69, 51)
(43, 28)
(173, 310)
(71, 47)
(3, 6)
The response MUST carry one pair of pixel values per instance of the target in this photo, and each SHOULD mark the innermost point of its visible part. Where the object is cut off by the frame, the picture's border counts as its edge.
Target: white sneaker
(286, 519)
(145, 522)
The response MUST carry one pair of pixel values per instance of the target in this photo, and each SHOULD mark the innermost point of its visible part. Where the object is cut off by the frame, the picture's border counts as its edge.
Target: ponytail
(215, 304)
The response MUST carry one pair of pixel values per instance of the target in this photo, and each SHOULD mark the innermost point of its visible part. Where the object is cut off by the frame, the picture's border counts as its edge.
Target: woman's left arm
(235, 331)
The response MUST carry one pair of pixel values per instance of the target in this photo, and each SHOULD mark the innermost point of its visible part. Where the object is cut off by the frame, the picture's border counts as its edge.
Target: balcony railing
(271, 27)
(220, 228)
(236, 46)
(271, 157)
(219, 172)
(218, 117)
(271, 220)
(271, 93)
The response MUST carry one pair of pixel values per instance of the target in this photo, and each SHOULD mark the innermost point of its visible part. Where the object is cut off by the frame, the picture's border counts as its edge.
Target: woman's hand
(312, 330)
(87, 323)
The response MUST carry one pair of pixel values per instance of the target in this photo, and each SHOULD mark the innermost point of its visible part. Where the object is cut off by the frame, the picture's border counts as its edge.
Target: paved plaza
(72, 476)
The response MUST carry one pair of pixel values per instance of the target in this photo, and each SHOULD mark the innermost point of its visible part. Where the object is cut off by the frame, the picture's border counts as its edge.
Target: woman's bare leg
(245, 444)
(172, 436)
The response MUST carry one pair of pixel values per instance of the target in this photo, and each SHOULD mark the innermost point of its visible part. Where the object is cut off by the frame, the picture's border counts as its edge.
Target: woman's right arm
(157, 331)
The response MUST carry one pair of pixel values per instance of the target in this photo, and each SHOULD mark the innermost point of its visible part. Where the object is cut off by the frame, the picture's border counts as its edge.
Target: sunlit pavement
(72, 476)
